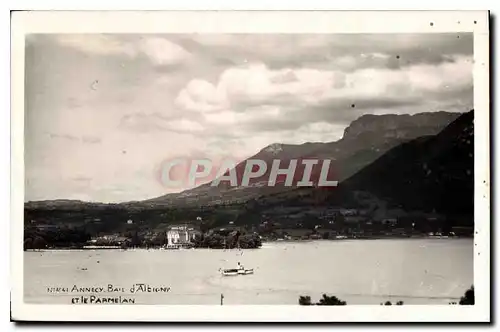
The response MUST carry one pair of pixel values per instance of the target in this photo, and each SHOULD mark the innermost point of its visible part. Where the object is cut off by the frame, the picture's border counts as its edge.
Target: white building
(180, 235)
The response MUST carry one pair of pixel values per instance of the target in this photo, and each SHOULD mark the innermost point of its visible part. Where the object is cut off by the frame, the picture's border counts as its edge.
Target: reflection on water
(419, 271)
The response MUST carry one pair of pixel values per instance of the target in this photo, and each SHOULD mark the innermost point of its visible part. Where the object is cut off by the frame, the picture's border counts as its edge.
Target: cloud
(161, 95)
(64, 137)
(160, 51)
(163, 52)
(185, 125)
(200, 95)
(91, 140)
(261, 98)
(80, 178)
(100, 44)
(72, 138)
(337, 51)
(143, 122)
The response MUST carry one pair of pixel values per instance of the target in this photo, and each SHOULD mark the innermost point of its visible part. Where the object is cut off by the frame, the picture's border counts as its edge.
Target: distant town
(328, 224)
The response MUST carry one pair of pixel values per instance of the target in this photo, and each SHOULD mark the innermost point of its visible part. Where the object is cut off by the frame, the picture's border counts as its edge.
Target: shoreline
(264, 242)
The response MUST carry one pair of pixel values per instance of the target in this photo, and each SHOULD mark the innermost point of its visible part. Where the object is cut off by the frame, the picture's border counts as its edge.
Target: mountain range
(421, 162)
(364, 140)
(430, 174)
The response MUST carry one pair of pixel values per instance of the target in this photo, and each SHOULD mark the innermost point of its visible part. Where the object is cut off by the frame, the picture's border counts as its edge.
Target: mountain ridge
(356, 149)
(429, 174)
(364, 140)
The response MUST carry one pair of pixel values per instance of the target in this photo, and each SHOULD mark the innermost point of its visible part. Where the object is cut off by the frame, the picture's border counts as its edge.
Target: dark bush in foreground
(325, 300)
(468, 298)
(390, 303)
(305, 300)
(330, 300)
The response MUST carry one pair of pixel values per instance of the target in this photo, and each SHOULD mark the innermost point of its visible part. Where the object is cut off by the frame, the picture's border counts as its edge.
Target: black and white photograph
(244, 168)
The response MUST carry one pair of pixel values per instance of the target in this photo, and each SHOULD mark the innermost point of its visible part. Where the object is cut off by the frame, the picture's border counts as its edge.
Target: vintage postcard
(250, 166)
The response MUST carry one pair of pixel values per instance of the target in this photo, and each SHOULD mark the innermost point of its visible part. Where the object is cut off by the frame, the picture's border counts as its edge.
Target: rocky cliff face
(364, 140)
(370, 136)
(428, 174)
(402, 126)
(431, 174)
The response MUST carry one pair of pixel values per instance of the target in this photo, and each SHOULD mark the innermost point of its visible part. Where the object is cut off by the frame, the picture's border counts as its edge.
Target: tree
(305, 300)
(135, 239)
(204, 227)
(330, 300)
(325, 300)
(468, 298)
(250, 241)
(390, 303)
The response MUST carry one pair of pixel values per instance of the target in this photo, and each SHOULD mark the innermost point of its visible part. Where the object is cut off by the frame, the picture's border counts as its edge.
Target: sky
(103, 112)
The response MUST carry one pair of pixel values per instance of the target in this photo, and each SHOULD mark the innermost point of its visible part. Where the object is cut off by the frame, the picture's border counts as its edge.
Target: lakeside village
(333, 224)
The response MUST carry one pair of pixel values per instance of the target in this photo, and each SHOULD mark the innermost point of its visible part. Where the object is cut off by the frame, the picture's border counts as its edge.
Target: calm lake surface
(416, 271)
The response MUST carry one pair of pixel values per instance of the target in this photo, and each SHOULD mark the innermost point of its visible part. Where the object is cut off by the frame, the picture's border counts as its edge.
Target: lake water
(416, 271)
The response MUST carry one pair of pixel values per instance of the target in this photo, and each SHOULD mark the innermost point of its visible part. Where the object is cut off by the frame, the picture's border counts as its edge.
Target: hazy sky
(104, 111)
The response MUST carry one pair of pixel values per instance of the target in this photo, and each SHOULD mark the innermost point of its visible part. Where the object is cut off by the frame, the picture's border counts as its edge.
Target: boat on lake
(234, 272)
(245, 271)
(230, 272)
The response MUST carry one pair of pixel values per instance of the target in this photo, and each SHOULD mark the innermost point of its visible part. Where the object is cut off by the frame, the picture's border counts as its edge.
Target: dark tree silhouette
(390, 303)
(330, 300)
(325, 300)
(305, 300)
(468, 298)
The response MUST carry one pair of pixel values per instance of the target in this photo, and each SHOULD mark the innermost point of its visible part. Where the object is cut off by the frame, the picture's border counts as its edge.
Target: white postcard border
(256, 22)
